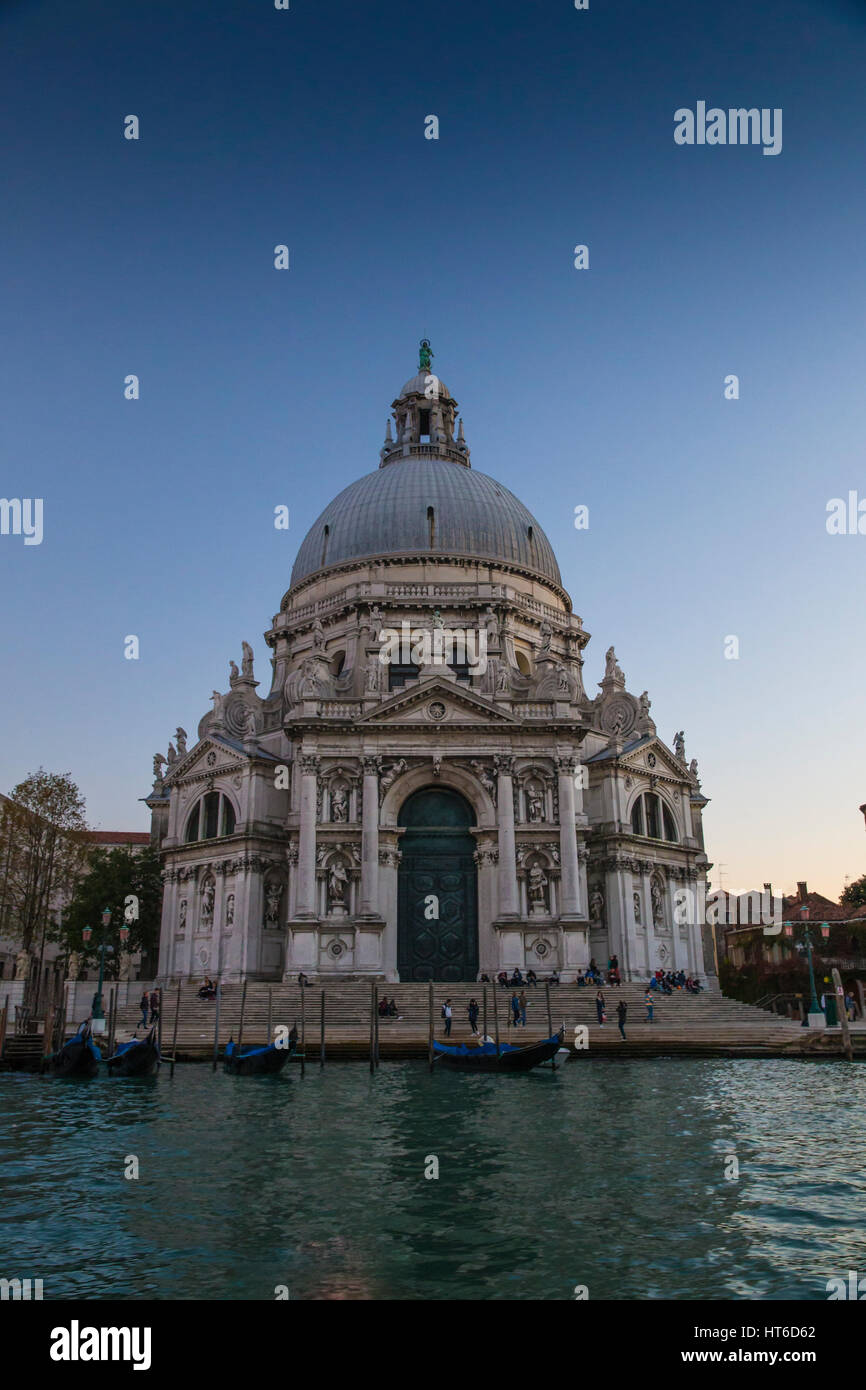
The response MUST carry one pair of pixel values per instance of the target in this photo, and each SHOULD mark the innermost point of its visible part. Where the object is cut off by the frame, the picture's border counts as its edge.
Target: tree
(130, 887)
(41, 851)
(854, 894)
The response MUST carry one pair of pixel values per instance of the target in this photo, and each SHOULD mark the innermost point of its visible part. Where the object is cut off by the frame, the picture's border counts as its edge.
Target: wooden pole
(485, 1013)
(174, 1034)
(47, 1030)
(843, 1013)
(376, 1025)
(430, 1053)
(159, 1017)
(110, 1035)
(3, 1017)
(549, 1020)
(496, 1019)
(303, 1028)
(241, 1024)
(216, 1024)
(270, 1015)
(372, 1038)
(322, 1028)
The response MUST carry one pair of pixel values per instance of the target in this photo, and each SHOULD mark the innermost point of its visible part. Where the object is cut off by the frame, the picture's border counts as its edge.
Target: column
(306, 896)
(570, 885)
(508, 904)
(370, 839)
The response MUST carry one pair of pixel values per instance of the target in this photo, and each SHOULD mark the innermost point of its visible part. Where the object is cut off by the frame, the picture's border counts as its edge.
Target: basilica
(426, 809)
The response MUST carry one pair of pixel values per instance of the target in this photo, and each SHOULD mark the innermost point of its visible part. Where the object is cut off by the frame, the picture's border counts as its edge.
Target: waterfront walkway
(707, 1024)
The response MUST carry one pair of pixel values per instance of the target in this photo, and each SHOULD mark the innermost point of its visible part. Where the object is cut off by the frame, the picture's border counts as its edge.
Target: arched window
(211, 817)
(523, 665)
(651, 818)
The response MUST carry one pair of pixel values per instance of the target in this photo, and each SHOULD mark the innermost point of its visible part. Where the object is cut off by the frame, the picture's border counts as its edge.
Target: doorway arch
(437, 891)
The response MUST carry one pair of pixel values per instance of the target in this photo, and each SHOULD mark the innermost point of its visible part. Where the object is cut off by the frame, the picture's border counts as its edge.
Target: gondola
(138, 1057)
(258, 1061)
(486, 1057)
(78, 1057)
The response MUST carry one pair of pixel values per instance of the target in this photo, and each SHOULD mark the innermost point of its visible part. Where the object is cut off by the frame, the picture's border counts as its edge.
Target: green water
(604, 1174)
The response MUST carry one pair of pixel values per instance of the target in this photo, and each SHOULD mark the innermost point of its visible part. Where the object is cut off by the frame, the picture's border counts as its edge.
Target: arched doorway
(437, 915)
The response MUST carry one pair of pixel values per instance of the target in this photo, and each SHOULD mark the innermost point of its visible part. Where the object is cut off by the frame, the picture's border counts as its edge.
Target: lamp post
(97, 1011)
(815, 1017)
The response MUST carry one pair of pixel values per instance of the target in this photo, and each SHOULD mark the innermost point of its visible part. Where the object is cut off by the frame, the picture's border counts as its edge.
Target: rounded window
(212, 816)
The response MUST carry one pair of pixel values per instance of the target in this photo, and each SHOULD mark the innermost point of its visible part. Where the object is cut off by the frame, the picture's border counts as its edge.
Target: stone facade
(585, 823)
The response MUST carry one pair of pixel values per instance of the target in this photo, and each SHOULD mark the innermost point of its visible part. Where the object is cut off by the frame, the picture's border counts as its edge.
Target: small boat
(78, 1057)
(487, 1057)
(137, 1057)
(258, 1061)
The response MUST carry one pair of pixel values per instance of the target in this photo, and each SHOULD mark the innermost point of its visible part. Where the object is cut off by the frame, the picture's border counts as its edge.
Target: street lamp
(815, 1017)
(97, 1011)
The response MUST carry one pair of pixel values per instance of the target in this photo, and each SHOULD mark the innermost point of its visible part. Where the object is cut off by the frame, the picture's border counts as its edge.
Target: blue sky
(602, 387)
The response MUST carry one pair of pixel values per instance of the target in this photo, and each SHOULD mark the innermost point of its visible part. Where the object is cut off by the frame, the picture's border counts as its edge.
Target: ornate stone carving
(484, 778)
(537, 889)
(388, 778)
(504, 764)
(230, 909)
(637, 907)
(247, 660)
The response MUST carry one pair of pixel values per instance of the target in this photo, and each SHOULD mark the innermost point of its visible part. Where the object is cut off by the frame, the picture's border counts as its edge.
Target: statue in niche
(230, 909)
(233, 670)
(596, 905)
(207, 900)
(537, 888)
(636, 901)
(158, 764)
(338, 881)
(680, 745)
(491, 622)
(339, 804)
(180, 735)
(372, 675)
(273, 893)
(656, 895)
(536, 804)
(247, 659)
(545, 632)
(181, 921)
(318, 635)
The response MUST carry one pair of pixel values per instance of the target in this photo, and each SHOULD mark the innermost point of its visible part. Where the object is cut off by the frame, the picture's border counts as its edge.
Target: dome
(418, 386)
(388, 513)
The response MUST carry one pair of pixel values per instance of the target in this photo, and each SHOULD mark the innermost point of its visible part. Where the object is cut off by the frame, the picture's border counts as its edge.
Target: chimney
(803, 892)
(768, 889)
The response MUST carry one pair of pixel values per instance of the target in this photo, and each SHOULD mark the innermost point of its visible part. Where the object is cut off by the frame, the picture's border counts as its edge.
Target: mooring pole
(496, 1020)
(485, 1015)
(270, 1013)
(843, 1013)
(430, 1053)
(376, 1024)
(216, 1024)
(303, 1028)
(174, 1033)
(322, 1025)
(112, 1014)
(372, 1038)
(241, 1024)
(549, 1019)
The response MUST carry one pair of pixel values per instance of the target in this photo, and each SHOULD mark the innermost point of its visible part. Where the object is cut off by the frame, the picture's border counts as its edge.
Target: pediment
(211, 757)
(653, 759)
(434, 704)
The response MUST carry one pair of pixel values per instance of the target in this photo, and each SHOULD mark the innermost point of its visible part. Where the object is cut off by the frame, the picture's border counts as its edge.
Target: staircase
(705, 1024)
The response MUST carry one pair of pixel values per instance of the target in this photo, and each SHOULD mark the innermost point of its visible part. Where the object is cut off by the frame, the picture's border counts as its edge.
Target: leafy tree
(854, 894)
(113, 879)
(41, 851)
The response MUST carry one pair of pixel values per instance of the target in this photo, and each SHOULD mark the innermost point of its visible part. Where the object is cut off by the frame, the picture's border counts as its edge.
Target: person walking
(447, 1014)
(648, 1000)
(599, 1008)
(621, 1011)
(523, 1007)
(144, 1005)
(473, 1016)
(515, 1008)
(154, 1005)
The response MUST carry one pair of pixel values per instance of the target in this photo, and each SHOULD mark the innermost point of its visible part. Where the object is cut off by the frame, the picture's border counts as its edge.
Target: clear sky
(602, 387)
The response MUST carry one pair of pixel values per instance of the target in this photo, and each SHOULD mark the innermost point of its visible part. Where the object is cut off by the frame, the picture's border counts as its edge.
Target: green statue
(426, 356)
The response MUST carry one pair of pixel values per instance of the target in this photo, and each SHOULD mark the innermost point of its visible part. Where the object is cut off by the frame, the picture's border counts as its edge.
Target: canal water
(607, 1174)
